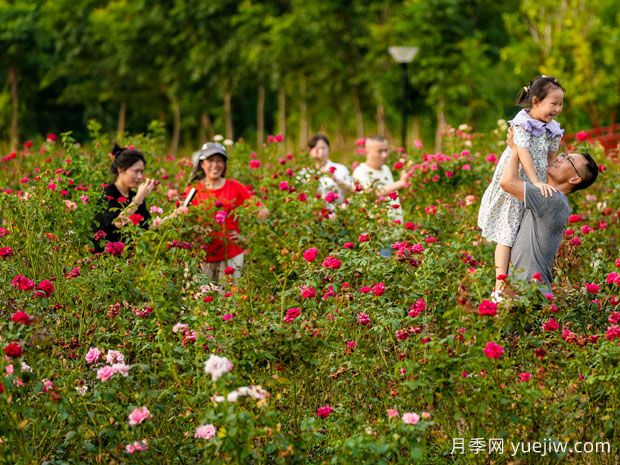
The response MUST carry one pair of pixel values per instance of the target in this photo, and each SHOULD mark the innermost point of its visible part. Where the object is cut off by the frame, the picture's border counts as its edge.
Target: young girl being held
(537, 136)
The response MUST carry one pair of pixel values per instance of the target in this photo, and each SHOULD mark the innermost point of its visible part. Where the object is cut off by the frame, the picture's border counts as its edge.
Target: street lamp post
(403, 56)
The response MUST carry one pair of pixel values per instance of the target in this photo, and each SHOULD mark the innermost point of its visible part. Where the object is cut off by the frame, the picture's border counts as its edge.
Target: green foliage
(558, 384)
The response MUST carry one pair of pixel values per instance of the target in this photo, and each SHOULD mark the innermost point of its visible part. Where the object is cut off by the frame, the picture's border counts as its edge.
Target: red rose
(136, 218)
(115, 248)
(291, 314)
(13, 350)
(44, 289)
(332, 263)
(23, 283)
(550, 325)
(378, 289)
(487, 307)
(6, 252)
(581, 136)
(21, 317)
(364, 237)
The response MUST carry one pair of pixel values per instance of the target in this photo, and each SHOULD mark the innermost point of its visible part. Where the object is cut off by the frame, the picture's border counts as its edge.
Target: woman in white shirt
(335, 180)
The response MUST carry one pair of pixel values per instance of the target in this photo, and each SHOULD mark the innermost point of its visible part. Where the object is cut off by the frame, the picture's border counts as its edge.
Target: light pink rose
(137, 446)
(93, 355)
(105, 373)
(411, 418)
(114, 356)
(138, 416)
(217, 366)
(205, 432)
(121, 369)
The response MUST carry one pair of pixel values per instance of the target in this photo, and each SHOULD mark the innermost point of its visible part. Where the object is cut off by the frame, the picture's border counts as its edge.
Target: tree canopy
(247, 68)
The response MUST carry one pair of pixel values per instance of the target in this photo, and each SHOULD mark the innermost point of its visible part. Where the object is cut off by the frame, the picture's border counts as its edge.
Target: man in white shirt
(375, 174)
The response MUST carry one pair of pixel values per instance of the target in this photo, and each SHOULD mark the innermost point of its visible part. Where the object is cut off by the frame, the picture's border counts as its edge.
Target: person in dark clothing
(123, 205)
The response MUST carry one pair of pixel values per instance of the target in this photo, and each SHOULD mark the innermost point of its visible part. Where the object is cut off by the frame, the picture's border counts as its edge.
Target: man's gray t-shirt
(540, 234)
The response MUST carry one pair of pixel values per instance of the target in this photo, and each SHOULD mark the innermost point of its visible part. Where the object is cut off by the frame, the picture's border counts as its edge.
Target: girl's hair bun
(117, 149)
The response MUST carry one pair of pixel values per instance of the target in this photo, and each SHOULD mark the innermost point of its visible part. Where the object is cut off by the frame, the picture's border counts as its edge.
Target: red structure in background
(608, 136)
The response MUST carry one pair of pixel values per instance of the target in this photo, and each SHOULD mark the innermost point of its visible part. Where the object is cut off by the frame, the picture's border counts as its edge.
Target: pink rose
(493, 350)
(291, 314)
(105, 373)
(137, 446)
(324, 411)
(310, 254)
(363, 319)
(115, 248)
(93, 355)
(308, 292)
(417, 308)
(138, 415)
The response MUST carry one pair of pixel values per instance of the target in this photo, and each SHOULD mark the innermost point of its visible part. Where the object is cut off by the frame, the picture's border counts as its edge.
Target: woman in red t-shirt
(224, 195)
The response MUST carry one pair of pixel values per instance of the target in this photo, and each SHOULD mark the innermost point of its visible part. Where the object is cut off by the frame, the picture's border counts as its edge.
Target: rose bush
(323, 351)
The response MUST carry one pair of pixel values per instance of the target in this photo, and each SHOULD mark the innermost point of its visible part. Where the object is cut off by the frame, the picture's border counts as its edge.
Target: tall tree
(579, 42)
(19, 52)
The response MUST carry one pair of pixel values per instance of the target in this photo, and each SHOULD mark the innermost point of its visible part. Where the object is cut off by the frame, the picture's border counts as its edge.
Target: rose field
(323, 351)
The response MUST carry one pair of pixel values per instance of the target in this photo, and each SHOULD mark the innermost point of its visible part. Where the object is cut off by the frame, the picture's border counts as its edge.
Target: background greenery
(248, 68)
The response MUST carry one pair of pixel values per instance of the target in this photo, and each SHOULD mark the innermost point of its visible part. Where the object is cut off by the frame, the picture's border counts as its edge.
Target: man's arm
(510, 181)
(397, 185)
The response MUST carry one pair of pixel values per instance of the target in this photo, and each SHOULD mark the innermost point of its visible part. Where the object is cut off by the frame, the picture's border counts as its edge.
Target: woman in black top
(123, 205)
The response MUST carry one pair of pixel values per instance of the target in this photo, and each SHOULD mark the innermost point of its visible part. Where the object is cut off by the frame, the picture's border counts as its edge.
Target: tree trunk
(441, 124)
(303, 113)
(260, 116)
(206, 128)
(122, 114)
(228, 114)
(380, 119)
(14, 129)
(415, 128)
(176, 123)
(380, 113)
(282, 111)
(359, 116)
